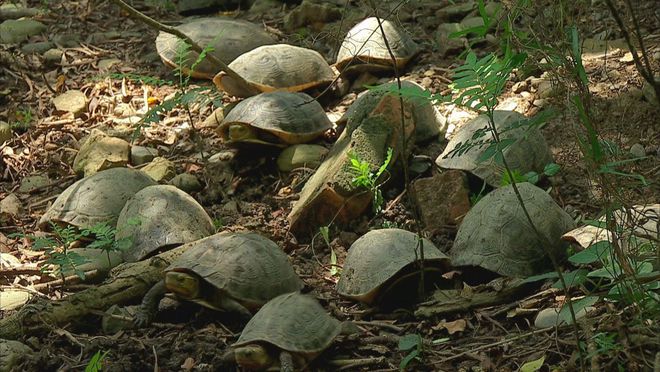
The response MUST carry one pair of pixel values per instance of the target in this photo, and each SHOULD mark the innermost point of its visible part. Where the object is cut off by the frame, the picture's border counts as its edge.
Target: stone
(16, 31)
(637, 150)
(53, 56)
(100, 152)
(15, 11)
(12, 353)
(303, 155)
(73, 101)
(446, 44)
(544, 89)
(311, 13)
(107, 63)
(11, 206)
(550, 317)
(100, 37)
(66, 40)
(112, 324)
(443, 199)
(31, 183)
(471, 22)
(142, 155)
(649, 92)
(94, 259)
(455, 11)
(5, 132)
(186, 182)
(192, 7)
(160, 169)
(37, 48)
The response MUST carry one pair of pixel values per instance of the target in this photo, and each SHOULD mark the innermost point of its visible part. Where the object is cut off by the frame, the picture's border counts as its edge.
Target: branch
(171, 30)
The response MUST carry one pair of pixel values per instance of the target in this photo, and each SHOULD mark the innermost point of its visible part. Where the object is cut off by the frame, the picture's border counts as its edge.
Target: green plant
(413, 344)
(23, 120)
(96, 363)
(365, 177)
(325, 234)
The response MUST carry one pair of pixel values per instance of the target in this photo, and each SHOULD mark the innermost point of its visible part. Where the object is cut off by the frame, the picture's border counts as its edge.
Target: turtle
(160, 217)
(278, 67)
(364, 47)
(528, 150)
(228, 38)
(496, 235)
(275, 118)
(96, 199)
(381, 260)
(290, 330)
(236, 272)
(429, 123)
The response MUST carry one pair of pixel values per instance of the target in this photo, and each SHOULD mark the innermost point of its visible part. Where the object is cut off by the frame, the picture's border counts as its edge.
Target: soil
(257, 197)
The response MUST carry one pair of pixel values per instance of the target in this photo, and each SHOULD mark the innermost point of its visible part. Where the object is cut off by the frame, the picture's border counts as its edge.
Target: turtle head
(241, 132)
(184, 285)
(253, 357)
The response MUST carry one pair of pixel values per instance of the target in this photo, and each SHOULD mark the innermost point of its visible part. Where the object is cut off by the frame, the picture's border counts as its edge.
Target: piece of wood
(127, 283)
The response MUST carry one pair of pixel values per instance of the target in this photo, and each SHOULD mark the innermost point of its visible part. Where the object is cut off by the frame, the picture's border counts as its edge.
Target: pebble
(142, 155)
(16, 31)
(16, 11)
(5, 132)
(186, 182)
(53, 56)
(31, 183)
(637, 150)
(73, 101)
(37, 48)
(160, 169)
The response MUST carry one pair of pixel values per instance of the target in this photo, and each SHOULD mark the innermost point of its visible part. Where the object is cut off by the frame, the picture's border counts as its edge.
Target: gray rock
(297, 156)
(16, 11)
(446, 44)
(310, 12)
(107, 63)
(649, 92)
(455, 11)
(66, 40)
(160, 169)
(73, 101)
(550, 317)
(637, 150)
(53, 56)
(11, 206)
(100, 37)
(442, 199)
(5, 132)
(37, 48)
(100, 152)
(29, 184)
(16, 31)
(142, 155)
(186, 182)
(12, 353)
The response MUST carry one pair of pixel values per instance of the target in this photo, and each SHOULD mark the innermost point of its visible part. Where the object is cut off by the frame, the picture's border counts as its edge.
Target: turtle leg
(233, 306)
(149, 306)
(286, 362)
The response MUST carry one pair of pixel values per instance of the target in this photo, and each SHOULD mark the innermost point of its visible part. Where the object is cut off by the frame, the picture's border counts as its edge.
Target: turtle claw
(142, 319)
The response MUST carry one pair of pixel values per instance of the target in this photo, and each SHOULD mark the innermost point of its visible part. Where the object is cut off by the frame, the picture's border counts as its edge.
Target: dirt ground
(495, 338)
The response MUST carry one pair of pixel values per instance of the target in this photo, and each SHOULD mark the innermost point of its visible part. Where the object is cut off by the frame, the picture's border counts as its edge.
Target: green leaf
(408, 358)
(333, 263)
(551, 169)
(578, 306)
(533, 366)
(95, 364)
(536, 278)
(410, 341)
(531, 177)
(595, 252)
(572, 278)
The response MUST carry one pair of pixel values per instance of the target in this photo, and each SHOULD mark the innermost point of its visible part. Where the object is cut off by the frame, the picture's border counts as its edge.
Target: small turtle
(290, 330)
(276, 118)
(228, 38)
(160, 217)
(96, 199)
(527, 152)
(382, 259)
(236, 272)
(365, 47)
(277, 67)
(495, 234)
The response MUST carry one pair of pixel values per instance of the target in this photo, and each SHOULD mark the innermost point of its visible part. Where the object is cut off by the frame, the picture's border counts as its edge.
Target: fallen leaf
(533, 365)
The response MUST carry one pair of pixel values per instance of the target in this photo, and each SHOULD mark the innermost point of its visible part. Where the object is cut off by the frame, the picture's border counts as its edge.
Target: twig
(193, 45)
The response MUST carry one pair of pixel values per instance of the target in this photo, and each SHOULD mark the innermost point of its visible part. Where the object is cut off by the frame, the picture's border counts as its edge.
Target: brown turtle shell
(165, 217)
(288, 118)
(377, 257)
(248, 267)
(228, 37)
(277, 67)
(292, 322)
(96, 199)
(365, 43)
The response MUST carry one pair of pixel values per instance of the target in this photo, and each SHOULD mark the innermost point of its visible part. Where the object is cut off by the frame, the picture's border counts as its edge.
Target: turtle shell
(277, 67)
(228, 37)
(292, 322)
(365, 43)
(496, 235)
(248, 267)
(377, 257)
(528, 151)
(428, 121)
(283, 118)
(158, 217)
(96, 199)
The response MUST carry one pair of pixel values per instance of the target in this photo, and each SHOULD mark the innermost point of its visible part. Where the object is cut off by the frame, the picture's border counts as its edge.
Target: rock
(12, 353)
(107, 63)
(297, 156)
(218, 175)
(186, 182)
(311, 13)
(31, 183)
(101, 37)
(544, 89)
(121, 321)
(550, 317)
(142, 155)
(5, 132)
(446, 44)
(649, 92)
(66, 40)
(94, 259)
(73, 101)
(8, 261)
(54, 56)
(37, 48)
(455, 11)
(471, 22)
(442, 199)
(637, 150)
(100, 152)
(262, 6)
(16, 31)
(160, 169)
(197, 7)
(16, 11)
(10, 205)
(329, 195)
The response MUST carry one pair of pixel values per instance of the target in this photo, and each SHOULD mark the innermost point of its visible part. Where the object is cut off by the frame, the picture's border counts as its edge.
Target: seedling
(365, 177)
